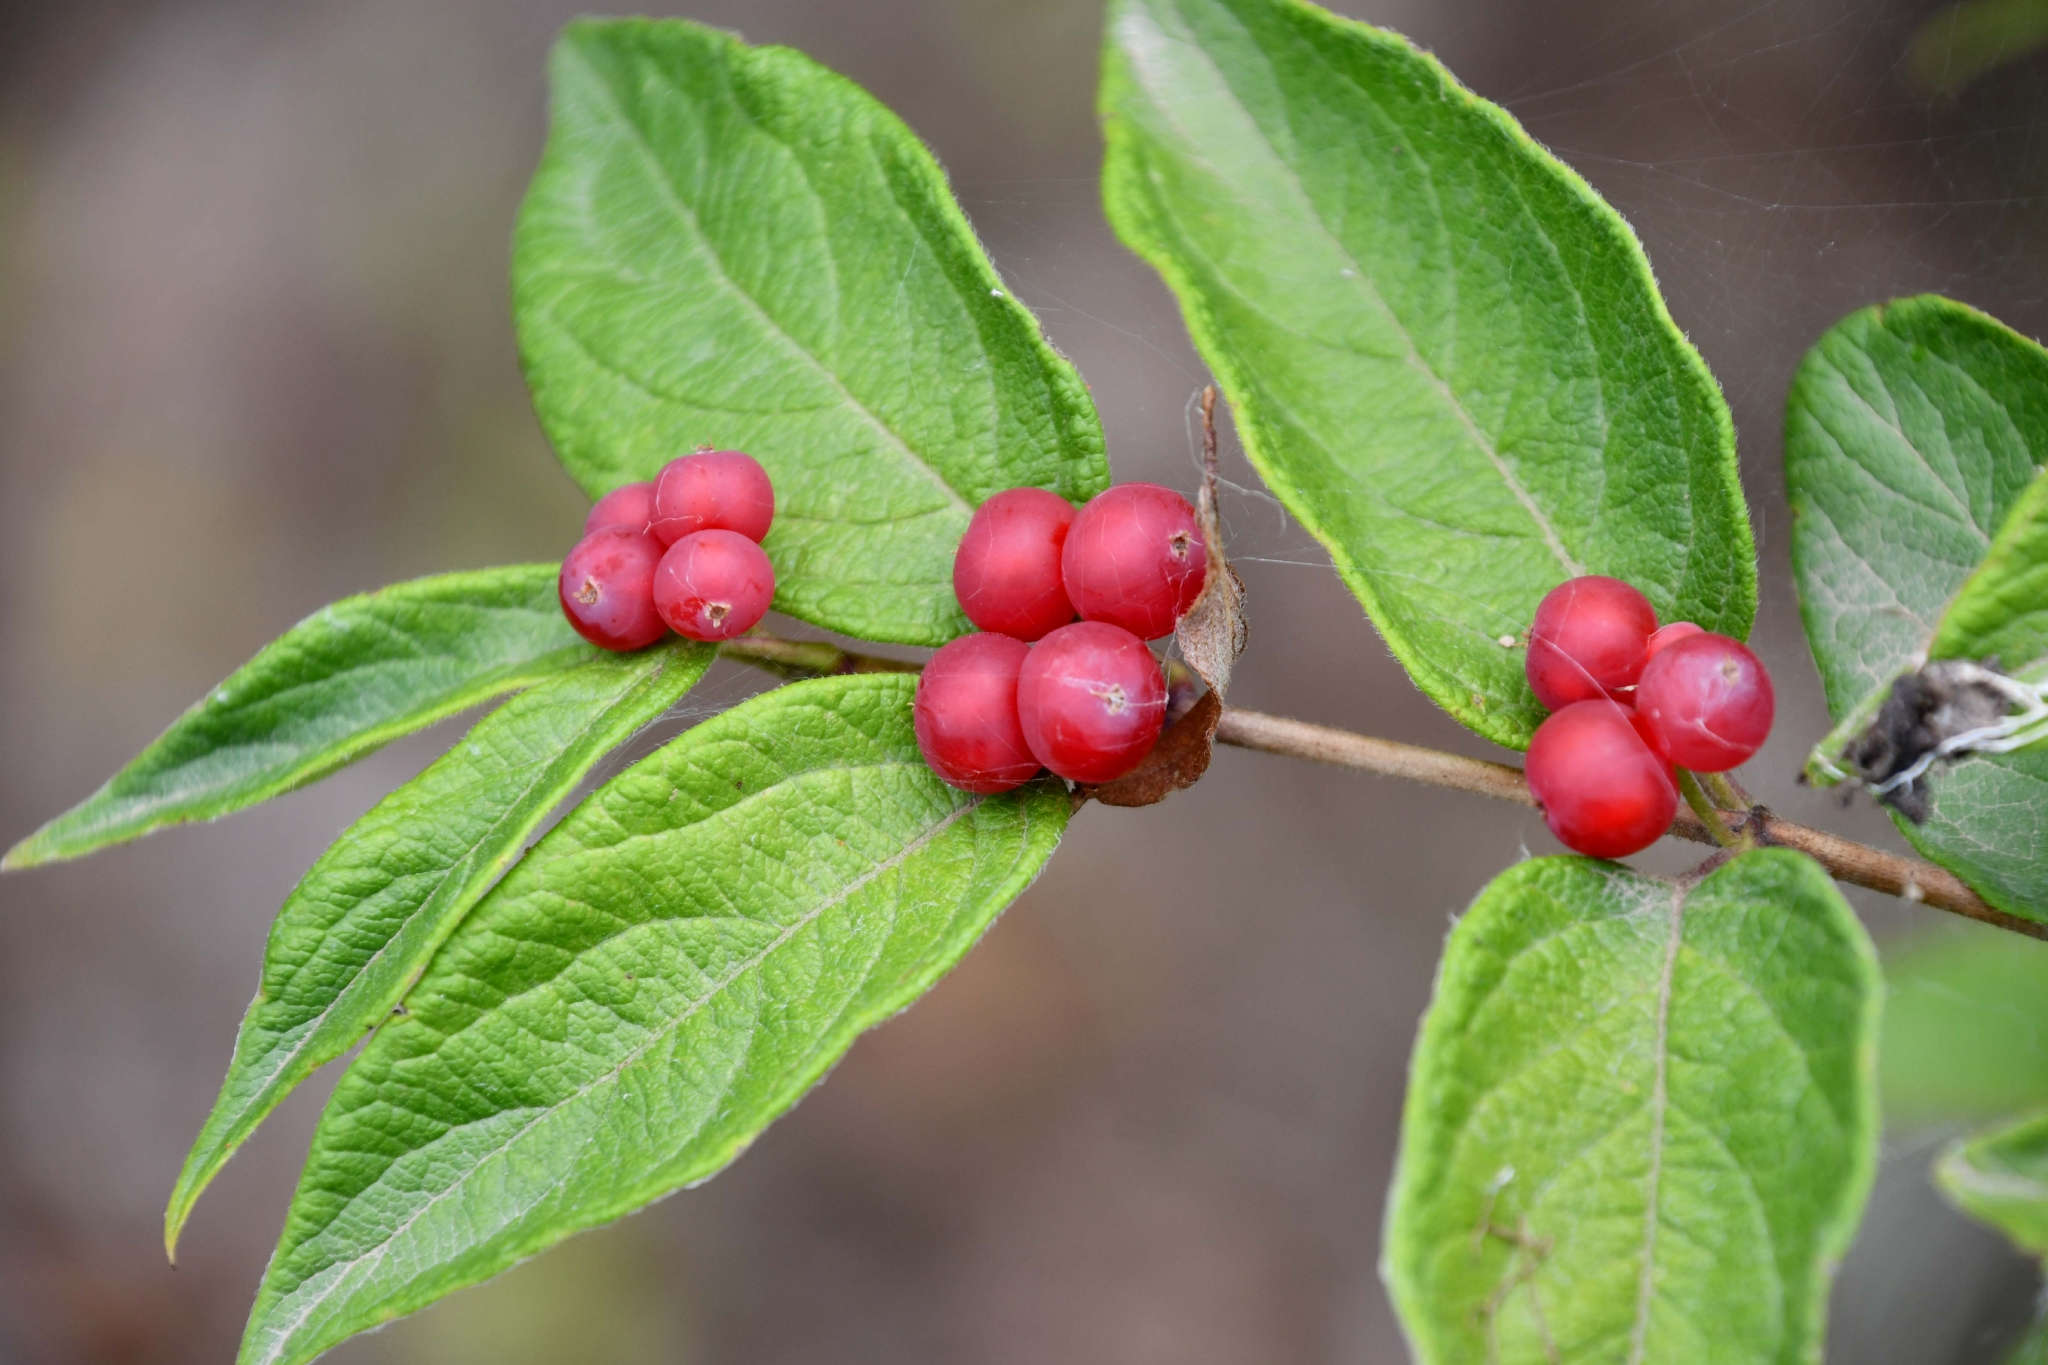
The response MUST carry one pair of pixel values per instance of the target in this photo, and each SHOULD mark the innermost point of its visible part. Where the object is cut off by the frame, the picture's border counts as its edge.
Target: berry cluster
(1038, 688)
(681, 553)
(1630, 704)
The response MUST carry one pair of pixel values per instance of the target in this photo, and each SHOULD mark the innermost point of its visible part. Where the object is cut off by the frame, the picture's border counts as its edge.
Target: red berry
(630, 505)
(1135, 558)
(1589, 640)
(1603, 792)
(1665, 636)
(713, 490)
(966, 714)
(1092, 700)
(607, 588)
(714, 585)
(1007, 572)
(1709, 702)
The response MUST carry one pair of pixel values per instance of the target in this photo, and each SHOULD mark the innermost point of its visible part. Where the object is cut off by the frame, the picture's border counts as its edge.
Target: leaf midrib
(658, 174)
(347, 1268)
(1364, 277)
(1659, 1103)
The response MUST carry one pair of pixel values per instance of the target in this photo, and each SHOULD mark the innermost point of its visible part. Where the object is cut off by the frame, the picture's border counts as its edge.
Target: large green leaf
(1912, 435)
(359, 928)
(2002, 1178)
(671, 968)
(1641, 1118)
(733, 246)
(347, 679)
(1443, 349)
(1965, 1026)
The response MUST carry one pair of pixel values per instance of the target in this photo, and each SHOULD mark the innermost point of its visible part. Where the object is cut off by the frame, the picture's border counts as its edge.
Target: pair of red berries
(682, 552)
(1631, 702)
(1087, 700)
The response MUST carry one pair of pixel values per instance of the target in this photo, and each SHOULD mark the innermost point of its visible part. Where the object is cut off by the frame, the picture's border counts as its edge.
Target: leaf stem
(1844, 859)
(1710, 818)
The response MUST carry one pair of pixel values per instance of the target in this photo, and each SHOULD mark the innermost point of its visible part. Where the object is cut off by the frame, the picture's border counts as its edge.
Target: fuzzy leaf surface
(1912, 436)
(732, 246)
(1441, 346)
(368, 917)
(2002, 1178)
(341, 683)
(1641, 1119)
(670, 968)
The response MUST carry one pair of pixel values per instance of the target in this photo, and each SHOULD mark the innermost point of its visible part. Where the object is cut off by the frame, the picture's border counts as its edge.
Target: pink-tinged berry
(1709, 702)
(607, 588)
(713, 490)
(1092, 701)
(1589, 640)
(1007, 571)
(1663, 637)
(630, 505)
(1135, 558)
(1603, 792)
(714, 585)
(966, 714)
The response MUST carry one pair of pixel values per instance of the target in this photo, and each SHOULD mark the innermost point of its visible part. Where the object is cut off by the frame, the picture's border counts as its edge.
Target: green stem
(1689, 787)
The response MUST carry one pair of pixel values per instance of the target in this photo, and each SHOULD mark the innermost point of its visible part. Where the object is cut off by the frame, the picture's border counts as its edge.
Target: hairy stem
(1845, 859)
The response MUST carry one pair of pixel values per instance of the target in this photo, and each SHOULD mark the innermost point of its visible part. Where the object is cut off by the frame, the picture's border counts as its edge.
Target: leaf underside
(1442, 348)
(368, 917)
(1641, 1118)
(346, 680)
(669, 969)
(732, 246)
(1912, 435)
(2002, 1178)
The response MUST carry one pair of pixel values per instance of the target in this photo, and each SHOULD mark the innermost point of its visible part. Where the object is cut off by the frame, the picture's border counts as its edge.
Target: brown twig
(1845, 859)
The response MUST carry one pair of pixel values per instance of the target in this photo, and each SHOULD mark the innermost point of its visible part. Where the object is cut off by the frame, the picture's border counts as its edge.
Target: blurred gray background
(256, 354)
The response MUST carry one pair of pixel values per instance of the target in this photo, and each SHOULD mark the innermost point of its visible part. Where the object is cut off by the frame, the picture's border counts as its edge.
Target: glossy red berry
(1663, 637)
(1589, 640)
(1603, 792)
(714, 585)
(1135, 558)
(1709, 702)
(713, 490)
(1092, 701)
(607, 588)
(630, 505)
(966, 714)
(1007, 571)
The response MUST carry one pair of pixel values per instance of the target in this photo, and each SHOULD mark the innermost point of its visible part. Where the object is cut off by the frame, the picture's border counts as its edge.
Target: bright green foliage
(342, 682)
(1444, 352)
(668, 970)
(733, 246)
(1641, 1119)
(1965, 1034)
(1911, 434)
(2002, 1178)
(359, 928)
(2033, 1350)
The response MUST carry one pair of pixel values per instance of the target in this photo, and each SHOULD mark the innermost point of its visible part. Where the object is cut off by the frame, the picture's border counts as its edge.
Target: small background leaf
(347, 679)
(1911, 434)
(1965, 1029)
(671, 968)
(2002, 1178)
(363, 923)
(733, 246)
(1441, 346)
(1641, 1119)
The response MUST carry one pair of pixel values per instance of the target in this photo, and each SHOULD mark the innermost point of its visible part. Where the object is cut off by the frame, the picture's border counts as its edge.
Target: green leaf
(671, 968)
(1912, 436)
(1442, 347)
(341, 683)
(1965, 1033)
(732, 246)
(1641, 1118)
(2002, 1178)
(362, 924)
